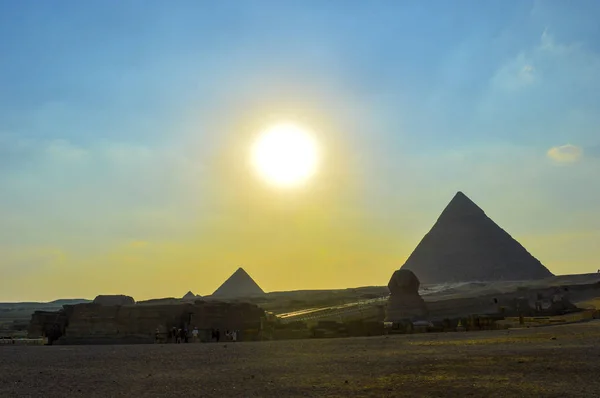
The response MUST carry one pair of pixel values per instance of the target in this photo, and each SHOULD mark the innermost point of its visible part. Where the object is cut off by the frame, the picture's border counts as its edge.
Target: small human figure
(195, 333)
(218, 335)
(234, 335)
(185, 335)
(156, 335)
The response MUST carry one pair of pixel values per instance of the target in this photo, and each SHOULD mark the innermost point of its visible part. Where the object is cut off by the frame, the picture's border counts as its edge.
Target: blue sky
(122, 126)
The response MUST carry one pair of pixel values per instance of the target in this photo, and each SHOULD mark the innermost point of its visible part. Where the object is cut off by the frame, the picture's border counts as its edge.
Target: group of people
(182, 335)
(229, 335)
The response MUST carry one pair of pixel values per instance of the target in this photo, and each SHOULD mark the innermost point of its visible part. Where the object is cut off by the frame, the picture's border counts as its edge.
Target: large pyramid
(466, 245)
(240, 284)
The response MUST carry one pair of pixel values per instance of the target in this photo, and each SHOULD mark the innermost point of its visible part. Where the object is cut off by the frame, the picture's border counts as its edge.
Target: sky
(125, 130)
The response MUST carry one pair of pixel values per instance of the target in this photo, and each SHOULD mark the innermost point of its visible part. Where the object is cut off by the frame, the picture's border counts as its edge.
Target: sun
(285, 155)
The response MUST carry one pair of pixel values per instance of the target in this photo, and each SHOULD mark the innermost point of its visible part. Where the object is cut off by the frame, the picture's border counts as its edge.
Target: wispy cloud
(516, 74)
(549, 44)
(565, 153)
(550, 59)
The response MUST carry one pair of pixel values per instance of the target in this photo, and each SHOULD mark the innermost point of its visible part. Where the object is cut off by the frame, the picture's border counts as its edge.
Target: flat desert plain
(555, 361)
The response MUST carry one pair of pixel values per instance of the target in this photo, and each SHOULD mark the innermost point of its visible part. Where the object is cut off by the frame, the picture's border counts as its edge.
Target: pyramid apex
(460, 195)
(461, 206)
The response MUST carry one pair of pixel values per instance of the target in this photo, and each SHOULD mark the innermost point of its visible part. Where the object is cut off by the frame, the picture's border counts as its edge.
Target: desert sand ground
(554, 361)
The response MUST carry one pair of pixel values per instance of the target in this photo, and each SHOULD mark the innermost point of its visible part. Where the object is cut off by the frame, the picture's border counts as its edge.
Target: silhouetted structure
(135, 323)
(116, 299)
(240, 284)
(466, 245)
(404, 303)
(189, 296)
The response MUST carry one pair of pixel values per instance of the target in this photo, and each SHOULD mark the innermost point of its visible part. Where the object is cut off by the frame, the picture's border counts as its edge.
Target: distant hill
(14, 317)
(42, 305)
(69, 301)
(159, 301)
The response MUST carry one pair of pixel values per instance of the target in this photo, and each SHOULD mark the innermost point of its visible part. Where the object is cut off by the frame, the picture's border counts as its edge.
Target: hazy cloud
(565, 153)
(593, 150)
(548, 44)
(137, 244)
(516, 74)
(119, 188)
(25, 260)
(528, 69)
(561, 63)
(63, 150)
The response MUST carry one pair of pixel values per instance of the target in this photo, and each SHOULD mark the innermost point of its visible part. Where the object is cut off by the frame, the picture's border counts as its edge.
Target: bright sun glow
(285, 155)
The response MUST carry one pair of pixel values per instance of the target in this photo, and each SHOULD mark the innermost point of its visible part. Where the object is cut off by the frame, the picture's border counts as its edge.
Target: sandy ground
(552, 361)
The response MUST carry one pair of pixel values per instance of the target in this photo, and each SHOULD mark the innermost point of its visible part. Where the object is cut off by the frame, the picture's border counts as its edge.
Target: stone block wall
(43, 323)
(96, 323)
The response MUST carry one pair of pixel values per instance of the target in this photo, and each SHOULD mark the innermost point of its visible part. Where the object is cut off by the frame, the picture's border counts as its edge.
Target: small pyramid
(240, 284)
(189, 296)
(466, 245)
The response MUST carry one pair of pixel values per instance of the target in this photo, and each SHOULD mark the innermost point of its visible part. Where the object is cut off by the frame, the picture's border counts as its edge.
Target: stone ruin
(404, 302)
(95, 323)
(118, 299)
(465, 245)
(547, 302)
(50, 324)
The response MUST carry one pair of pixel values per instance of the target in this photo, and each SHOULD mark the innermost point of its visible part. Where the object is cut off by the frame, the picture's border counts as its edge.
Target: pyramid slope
(466, 245)
(240, 284)
(189, 296)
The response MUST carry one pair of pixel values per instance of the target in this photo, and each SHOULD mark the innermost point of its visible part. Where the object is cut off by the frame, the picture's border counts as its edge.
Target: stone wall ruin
(95, 323)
